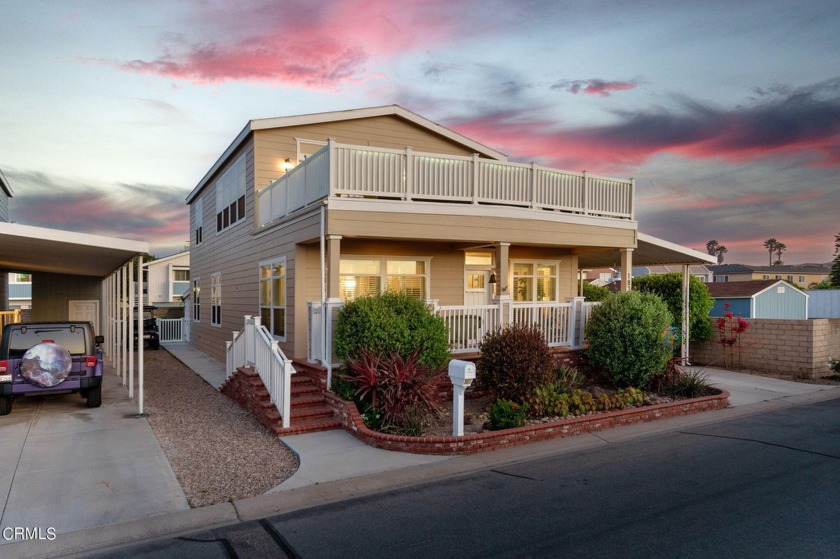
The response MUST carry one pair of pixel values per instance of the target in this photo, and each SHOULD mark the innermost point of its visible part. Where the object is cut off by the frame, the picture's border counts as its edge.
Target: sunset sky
(727, 113)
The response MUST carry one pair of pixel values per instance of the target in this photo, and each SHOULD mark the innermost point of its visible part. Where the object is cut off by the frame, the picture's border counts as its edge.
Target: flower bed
(352, 422)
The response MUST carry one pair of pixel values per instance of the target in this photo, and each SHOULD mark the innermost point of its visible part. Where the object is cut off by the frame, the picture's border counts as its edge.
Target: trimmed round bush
(391, 323)
(514, 361)
(668, 287)
(624, 335)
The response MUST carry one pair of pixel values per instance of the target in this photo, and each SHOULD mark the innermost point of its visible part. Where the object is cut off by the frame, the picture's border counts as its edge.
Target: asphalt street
(766, 485)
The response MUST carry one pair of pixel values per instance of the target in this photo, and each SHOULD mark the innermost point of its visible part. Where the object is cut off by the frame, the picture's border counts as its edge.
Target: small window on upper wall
(230, 195)
(198, 221)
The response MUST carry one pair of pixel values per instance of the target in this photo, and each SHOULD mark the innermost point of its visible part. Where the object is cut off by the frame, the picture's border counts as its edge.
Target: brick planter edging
(352, 422)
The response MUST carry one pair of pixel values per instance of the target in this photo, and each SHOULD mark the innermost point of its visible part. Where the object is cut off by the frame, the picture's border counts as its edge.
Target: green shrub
(505, 414)
(391, 323)
(834, 364)
(342, 387)
(669, 288)
(595, 292)
(514, 360)
(624, 336)
(691, 384)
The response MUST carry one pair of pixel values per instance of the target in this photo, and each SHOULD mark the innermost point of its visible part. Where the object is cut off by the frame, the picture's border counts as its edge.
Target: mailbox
(461, 373)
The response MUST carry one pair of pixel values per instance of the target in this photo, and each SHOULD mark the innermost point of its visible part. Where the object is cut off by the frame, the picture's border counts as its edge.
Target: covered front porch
(502, 284)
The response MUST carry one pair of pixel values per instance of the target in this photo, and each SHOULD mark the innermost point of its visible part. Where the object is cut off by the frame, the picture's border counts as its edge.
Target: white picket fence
(172, 330)
(254, 346)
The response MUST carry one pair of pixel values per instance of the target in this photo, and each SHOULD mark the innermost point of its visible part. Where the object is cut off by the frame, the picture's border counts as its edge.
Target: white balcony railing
(341, 170)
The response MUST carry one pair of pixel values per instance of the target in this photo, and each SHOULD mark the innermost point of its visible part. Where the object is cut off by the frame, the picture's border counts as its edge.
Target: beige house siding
(475, 229)
(274, 146)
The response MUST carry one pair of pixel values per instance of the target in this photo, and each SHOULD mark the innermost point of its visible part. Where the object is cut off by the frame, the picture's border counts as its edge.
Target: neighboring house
(327, 207)
(20, 291)
(803, 275)
(759, 299)
(5, 193)
(167, 280)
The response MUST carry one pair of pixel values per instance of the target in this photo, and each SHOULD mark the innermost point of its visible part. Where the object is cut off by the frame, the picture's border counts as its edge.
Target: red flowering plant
(730, 327)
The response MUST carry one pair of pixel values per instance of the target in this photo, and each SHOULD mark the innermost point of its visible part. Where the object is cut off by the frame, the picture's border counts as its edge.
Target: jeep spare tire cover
(46, 365)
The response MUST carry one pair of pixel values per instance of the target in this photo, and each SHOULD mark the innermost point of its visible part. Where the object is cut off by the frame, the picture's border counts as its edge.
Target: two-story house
(318, 209)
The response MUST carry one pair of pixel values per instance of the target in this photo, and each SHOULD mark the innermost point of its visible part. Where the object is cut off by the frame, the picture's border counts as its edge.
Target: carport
(80, 276)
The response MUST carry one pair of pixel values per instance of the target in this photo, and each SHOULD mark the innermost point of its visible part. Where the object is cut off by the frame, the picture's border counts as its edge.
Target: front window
(196, 315)
(230, 195)
(273, 296)
(365, 276)
(534, 281)
(216, 299)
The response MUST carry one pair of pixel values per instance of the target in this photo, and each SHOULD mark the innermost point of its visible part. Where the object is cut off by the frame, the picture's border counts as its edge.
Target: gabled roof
(167, 258)
(745, 289)
(4, 185)
(337, 116)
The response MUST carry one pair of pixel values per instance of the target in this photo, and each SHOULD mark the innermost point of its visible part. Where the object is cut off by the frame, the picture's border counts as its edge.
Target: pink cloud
(311, 45)
(594, 86)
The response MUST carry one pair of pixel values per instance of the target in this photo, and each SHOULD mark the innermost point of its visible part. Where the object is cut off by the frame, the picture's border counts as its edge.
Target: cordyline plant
(730, 327)
(396, 385)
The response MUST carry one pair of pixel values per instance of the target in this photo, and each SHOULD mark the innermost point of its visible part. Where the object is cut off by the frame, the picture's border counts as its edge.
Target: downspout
(325, 351)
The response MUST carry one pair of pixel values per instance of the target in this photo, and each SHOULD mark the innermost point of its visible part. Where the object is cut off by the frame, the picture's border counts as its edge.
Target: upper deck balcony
(348, 171)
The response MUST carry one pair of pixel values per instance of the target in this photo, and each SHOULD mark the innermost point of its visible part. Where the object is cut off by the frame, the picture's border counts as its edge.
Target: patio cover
(649, 251)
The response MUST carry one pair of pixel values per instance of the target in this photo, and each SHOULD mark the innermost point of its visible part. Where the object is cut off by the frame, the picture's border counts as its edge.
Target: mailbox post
(461, 373)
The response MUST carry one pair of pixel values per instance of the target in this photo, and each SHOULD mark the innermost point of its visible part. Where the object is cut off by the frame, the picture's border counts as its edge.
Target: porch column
(626, 268)
(686, 300)
(333, 260)
(502, 266)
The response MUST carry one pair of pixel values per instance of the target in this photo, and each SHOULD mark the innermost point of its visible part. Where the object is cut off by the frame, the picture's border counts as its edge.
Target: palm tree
(780, 248)
(711, 247)
(770, 245)
(720, 251)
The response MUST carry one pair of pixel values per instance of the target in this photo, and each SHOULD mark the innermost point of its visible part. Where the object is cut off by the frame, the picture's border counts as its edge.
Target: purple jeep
(50, 357)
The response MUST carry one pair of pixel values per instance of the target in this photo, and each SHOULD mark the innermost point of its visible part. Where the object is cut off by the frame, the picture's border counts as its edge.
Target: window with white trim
(368, 275)
(196, 299)
(216, 299)
(535, 281)
(180, 283)
(198, 221)
(273, 296)
(305, 148)
(230, 195)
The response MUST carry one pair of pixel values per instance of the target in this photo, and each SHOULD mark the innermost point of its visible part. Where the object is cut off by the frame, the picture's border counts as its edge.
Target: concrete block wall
(799, 348)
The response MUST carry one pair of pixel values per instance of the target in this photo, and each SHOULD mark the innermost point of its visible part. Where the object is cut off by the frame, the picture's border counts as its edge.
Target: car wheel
(5, 405)
(94, 397)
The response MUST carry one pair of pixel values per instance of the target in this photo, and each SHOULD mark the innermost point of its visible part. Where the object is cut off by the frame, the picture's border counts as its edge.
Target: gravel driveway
(218, 451)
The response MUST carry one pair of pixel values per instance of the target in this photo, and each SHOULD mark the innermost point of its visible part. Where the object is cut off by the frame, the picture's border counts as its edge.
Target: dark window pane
(279, 322)
(241, 214)
(218, 222)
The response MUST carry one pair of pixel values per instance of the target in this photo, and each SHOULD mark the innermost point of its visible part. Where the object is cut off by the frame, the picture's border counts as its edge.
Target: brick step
(312, 411)
(303, 388)
(298, 427)
(304, 400)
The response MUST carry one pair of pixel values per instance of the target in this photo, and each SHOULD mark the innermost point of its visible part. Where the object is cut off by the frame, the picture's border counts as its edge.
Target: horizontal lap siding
(455, 228)
(274, 146)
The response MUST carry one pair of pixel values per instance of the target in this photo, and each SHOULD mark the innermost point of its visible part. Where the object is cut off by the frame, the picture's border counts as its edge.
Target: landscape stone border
(487, 441)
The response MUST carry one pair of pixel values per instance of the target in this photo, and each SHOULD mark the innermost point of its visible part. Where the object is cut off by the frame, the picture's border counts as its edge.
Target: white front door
(477, 288)
(85, 311)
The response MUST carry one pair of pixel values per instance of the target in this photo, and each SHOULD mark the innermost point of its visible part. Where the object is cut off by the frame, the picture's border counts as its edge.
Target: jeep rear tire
(94, 397)
(5, 405)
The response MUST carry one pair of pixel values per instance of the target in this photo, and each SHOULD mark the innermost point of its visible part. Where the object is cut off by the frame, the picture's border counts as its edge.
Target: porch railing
(562, 324)
(342, 170)
(255, 346)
